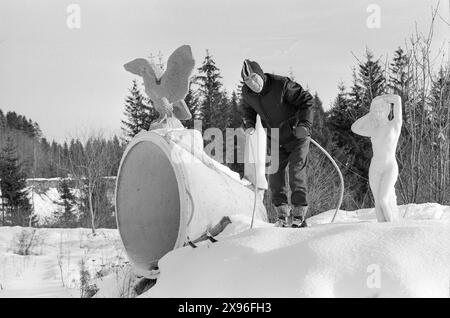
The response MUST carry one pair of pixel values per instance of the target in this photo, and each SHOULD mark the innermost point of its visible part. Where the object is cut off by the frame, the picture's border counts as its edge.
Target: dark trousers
(294, 153)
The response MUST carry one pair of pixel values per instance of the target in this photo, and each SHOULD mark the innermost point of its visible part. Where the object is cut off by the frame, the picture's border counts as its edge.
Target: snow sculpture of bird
(167, 89)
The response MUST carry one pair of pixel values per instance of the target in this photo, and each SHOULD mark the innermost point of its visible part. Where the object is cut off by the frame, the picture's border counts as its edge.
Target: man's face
(255, 82)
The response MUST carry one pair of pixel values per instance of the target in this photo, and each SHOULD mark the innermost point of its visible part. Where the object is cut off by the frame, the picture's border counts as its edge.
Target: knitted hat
(251, 67)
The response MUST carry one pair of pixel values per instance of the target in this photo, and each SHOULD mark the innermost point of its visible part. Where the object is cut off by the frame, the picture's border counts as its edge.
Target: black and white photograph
(224, 154)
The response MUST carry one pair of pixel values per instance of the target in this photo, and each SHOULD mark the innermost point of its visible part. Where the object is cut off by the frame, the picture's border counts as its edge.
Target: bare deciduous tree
(89, 169)
(424, 151)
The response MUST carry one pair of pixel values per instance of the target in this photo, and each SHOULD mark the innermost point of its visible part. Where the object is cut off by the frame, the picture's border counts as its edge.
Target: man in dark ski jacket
(284, 105)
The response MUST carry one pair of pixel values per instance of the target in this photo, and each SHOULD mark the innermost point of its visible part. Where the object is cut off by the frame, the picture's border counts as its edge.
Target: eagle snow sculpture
(167, 89)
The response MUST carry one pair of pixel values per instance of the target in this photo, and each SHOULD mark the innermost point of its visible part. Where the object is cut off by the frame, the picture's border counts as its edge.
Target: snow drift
(362, 258)
(53, 267)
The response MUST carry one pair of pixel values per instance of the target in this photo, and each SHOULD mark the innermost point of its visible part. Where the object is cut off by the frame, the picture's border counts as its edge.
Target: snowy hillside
(45, 204)
(357, 257)
(46, 201)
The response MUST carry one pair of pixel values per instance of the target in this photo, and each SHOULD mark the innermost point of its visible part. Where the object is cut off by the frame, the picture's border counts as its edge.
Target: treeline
(25, 153)
(41, 158)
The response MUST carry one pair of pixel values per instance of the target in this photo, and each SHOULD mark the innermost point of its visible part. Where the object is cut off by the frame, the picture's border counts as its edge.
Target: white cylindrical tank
(168, 189)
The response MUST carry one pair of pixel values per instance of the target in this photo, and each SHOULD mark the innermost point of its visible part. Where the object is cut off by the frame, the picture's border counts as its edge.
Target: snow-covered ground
(54, 267)
(355, 257)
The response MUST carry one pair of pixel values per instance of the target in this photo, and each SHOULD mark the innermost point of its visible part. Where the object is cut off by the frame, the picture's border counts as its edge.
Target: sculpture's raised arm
(363, 126)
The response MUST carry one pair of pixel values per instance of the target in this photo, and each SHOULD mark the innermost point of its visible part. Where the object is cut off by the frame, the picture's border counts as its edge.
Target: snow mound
(360, 258)
(424, 211)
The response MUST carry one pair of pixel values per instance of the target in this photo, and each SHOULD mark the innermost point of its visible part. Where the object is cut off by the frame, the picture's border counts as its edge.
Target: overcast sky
(73, 79)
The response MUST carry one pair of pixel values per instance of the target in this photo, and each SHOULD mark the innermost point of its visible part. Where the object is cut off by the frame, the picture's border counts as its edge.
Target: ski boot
(282, 222)
(299, 216)
(283, 212)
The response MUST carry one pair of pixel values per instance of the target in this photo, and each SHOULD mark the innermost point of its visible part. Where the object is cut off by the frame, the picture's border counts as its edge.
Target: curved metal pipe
(341, 196)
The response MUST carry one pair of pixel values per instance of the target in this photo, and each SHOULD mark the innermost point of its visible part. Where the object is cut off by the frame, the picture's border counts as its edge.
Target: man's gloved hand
(292, 122)
(248, 129)
(302, 131)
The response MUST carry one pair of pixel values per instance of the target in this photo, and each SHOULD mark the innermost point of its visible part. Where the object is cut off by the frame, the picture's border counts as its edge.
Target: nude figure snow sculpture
(168, 89)
(383, 125)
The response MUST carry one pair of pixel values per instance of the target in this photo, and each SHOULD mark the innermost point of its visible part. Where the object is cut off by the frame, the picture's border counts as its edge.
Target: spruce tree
(2, 122)
(399, 83)
(214, 102)
(235, 121)
(56, 167)
(139, 112)
(222, 117)
(116, 153)
(67, 217)
(12, 121)
(400, 80)
(239, 90)
(65, 157)
(17, 208)
(339, 122)
(400, 76)
(235, 118)
(192, 102)
(21, 123)
(320, 131)
(368, 82)
(44, 161)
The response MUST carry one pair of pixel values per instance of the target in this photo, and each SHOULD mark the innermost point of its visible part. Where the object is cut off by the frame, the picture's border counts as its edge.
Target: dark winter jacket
(282, 104)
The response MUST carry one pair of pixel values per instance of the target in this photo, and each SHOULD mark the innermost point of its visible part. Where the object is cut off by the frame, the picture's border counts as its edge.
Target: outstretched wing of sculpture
(143, 68)
(175, 80)
(167, 90)
(176, 77)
